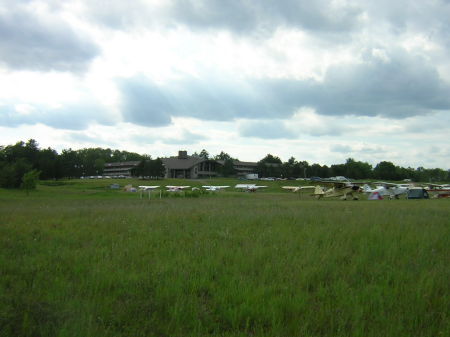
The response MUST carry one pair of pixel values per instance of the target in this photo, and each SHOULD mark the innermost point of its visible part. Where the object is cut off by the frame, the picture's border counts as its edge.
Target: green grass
(82, 260)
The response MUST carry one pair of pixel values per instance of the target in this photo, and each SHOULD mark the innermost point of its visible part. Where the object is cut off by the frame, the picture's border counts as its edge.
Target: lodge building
(119, 169)
(183, 166)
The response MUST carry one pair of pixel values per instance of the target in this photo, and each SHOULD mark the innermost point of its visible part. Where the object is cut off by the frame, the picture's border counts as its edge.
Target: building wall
(119, 168)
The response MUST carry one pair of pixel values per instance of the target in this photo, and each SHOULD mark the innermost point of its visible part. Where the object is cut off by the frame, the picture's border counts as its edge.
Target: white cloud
(319, 81)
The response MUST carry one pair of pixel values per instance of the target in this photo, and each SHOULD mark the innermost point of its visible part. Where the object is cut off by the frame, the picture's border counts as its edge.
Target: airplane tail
(318, 190)
(366, 188)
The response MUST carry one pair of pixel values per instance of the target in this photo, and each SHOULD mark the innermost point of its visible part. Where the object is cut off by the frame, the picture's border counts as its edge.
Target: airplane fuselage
(343, 192)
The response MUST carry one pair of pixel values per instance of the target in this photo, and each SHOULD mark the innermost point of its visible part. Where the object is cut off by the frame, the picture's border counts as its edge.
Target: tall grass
(76, 263)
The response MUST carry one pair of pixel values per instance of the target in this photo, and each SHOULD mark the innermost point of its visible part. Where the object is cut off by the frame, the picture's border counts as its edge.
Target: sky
(321, 80)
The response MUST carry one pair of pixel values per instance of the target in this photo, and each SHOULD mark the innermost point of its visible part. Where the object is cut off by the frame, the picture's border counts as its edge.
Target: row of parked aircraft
(346, 189)
(170, 188)
(329, 189)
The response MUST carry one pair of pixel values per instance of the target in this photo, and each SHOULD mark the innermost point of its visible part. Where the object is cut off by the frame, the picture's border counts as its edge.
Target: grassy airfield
(80, 259)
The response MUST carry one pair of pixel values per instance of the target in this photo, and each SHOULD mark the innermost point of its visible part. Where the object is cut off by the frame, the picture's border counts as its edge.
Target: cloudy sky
(319, 80)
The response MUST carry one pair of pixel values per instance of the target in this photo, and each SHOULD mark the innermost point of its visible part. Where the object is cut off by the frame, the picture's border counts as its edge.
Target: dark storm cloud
(71, 117)
(395, 86)
(43, 42)
(238, 16)
(144, 103)
(266, 130)
(426, 18)
(400, 87)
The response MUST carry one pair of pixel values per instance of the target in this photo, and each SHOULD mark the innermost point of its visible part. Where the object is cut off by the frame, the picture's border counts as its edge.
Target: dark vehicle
(315, 179)
(417, 193)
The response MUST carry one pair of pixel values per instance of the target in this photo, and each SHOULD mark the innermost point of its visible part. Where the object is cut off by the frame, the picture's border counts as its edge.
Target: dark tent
(417, 193)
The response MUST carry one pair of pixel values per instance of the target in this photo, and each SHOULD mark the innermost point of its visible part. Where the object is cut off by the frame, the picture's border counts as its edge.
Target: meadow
(80, 259)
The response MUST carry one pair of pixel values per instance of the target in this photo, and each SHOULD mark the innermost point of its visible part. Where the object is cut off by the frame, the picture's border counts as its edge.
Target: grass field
(78, 259)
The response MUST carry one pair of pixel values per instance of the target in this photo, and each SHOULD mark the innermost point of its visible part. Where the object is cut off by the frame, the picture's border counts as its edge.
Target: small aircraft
(214, 188)
(249, 187)
(342, 189)
(176, 188)
(390, 190)
(298, 188)
(438, 191)
(148, 188)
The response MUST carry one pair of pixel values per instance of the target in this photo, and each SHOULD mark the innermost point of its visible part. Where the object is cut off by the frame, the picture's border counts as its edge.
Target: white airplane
(148, 188)
(171, 188)
(298, 188)
(249, 187)
(389, 190)
(214, 188)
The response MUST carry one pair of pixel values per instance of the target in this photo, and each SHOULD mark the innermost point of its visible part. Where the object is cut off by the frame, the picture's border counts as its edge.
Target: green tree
(49, 164)
(223, 156)
(269, 166)
(71, 165)
(157, 168)
(288, 168)
(153, 168)
(29, 180)
(385, 170)
(357, 169)
(204, 154)
(7, 175)
(227, 169)
(99, 165)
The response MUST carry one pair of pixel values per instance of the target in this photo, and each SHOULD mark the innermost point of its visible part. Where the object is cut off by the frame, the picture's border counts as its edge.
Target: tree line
(24, 160)
(272, 166)
(18, 159)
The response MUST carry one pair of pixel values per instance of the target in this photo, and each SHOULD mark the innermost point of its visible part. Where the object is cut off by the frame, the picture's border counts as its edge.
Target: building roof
(122, 163)
(239, 163)
(185, 163)
(244, 163)
(175, 163)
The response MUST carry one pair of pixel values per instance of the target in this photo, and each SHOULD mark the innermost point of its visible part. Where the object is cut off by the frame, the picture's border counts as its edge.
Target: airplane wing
(385, 184)
(291, 188)
(171, 188)
(215, 187)
(335, 184)
(297, 188)
(249, 187)
(147, 188)
(245, 186)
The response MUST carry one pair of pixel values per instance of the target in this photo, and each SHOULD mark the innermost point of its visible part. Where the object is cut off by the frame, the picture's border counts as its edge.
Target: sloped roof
(176, 163)
(239, 163)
